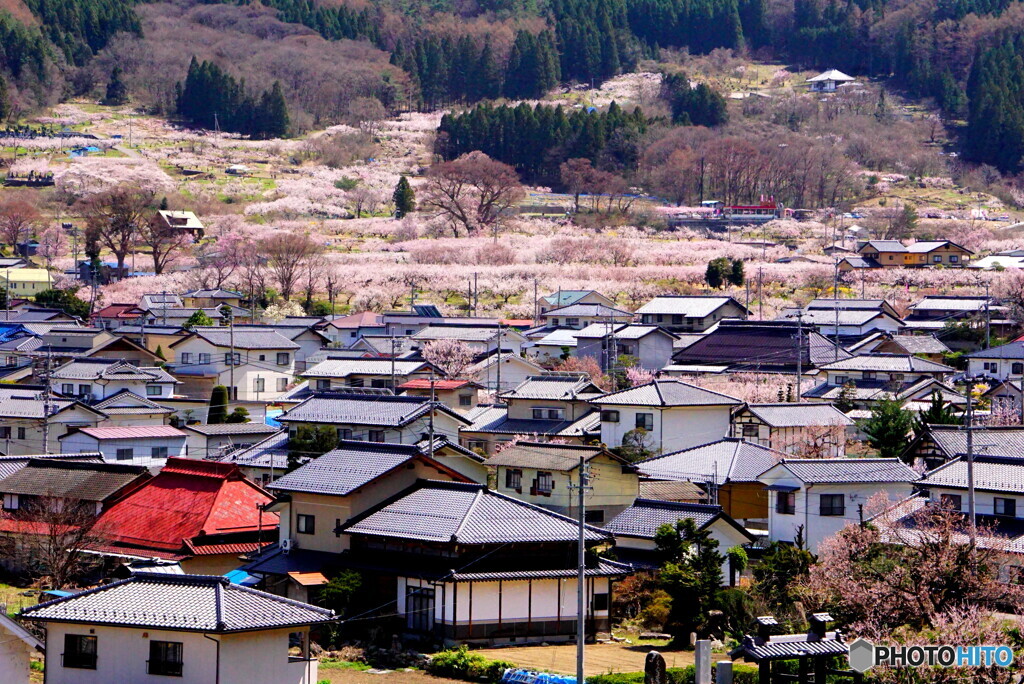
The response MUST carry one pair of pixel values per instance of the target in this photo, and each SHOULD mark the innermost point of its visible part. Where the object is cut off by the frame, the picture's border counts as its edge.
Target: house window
(1016, 368)
(185, 357)
(842, 379)
(165, 658)
(869, 375)
(204, 359)
(785, 503)
(79, 652)
(594, 515)
(832, 504)
(554, 321)
(951, 501)
(263, 357)
(660, 318)
(5, 432)
(84, 390)
(572, 322)
(1007, 507)
(937, 259)
(259, 385)
(282, 384)
(751, 431)
(323, 384)
(953, 259)
(305, 524)
(125, 454)
(609, 416)
(990, 366)
(153, 390)
(159, 452)
(600, 600)
(233, 359)
(344, 433)
(376, 436)
(283, 358)
(896, 377)
(21, 433)
(355, 382)
(556, 414)
(645, 421)
(545, 482)
(513, 479)
(477, 445)
(380, 384)
(10, 502)
(67, 388)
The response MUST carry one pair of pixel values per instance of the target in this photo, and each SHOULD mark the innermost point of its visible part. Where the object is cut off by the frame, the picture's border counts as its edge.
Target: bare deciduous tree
(288, 255)
(18, 216)
(164, 243)
(472, 193)
(54, 535)
(115, 219)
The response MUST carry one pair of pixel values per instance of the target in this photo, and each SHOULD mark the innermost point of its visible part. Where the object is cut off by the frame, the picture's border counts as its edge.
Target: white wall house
(650, 345)
(96, 379)
(141, 445)
(260, 369)
(819, 497)
(673, 415)
(192, 629)
(17, 646)
(1005, 362)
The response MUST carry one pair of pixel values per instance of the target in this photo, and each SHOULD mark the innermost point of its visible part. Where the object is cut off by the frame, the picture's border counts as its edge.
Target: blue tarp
(242, 578)
(59, 593)
(531, 677)
(272, 416)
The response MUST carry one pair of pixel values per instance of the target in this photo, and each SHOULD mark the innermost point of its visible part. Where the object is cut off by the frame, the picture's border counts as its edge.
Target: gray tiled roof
(12, 464)
(271, 452)
(850, 470)
(666, 393)
(1001, 441)
(232, 429)
(886, 245)
(1012, 350)
(670, 491)
(786, 647)
(853, 304)
(857, 261)
(436, 332)
(920, 344)
(644, 517)
(560, 457)
(109, 369)
(826, 317)
(495, 419)
(727, 460)
(991, 473)
(799, 415)
(759, 346)
(587, 310)
(29, 407)
(71, 479)
(459, 513)
(244, 339)
(340, 368)
(959, 304)
(622, 331)
(364, 409)
(694, 306)
(347, 468)
(194, 603)
(898, 363)
(555, 386)
(136, 404)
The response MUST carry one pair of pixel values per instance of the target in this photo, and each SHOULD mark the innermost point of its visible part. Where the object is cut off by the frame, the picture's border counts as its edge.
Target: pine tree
(404, 198)
(736, 275)
(888, 428)
(272, 116)
(5, 101)
(117, 91)
(218, 408)
(938, 412)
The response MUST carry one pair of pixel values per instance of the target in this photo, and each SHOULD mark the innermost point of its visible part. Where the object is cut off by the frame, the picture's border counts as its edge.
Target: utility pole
(581, 566)
(498, 392)
(476, 293)
(536, 302)
(232, 392)
(835, 305)
(970, 470)
(760, 293)
(799, 351)
(393, 343)
(988, 320)
(163, 300)
(46, 402)
(431, 426)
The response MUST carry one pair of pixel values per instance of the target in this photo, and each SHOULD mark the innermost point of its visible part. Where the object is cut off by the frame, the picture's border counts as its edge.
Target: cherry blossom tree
(637, 376)
(588, 365)
(53, 243)
(471, 193)
(451, 357)
(115, 219)
(18, 217)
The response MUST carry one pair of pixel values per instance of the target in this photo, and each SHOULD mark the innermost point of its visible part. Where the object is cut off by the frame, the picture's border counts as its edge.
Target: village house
(209, 441)
(125, 408)
(894, 254)
(94, 379)
(650, 345)
(727, 471)
(339, 374)
(936, 312)
(830, 304)
(846, 324)
(375, 417)
(65, 344)
(184, 221)
(211, 298)
(998, 484)
(263, 461)
(512, 583)
(563, 298)
(161, 300)
(635, 529)
(897, 370)
(196, 629)
(481, 340)
(164, 316)
(817, 498)
(201, 514)
(343, 330)
(1005, 395)
(255, 366)
(943, 443)
(553, 405)
(18, 646)
(1005, 362)
(498, 373)
(579, 316)
(316, 498)
(828, 81)
(25, 282)
(23, 423)
(759, 347)
(925, 346)
(113, 316)
(812, 430)
(543, 474)
(552, 346)
(690, 313)
(149, 445)
(311, 341)
(458, 395)
(664, 416)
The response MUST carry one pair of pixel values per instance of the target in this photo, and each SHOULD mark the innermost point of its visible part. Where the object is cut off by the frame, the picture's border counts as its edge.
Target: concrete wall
(15, 656)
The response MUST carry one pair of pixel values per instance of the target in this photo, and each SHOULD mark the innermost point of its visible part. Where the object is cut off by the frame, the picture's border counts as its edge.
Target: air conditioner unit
(287, 545)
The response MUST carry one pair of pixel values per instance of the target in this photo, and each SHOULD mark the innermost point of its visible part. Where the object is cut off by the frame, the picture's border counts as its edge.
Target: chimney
(819, 624)
(765, 626)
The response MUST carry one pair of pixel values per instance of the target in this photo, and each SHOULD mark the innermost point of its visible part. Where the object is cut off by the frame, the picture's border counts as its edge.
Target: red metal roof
(187, 499)
(424, 383)
(218, 549)
(119, 311)
(133, 432)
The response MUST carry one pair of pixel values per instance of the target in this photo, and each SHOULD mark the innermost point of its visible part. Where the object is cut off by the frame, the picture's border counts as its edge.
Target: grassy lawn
(11, 596)
(598, 658)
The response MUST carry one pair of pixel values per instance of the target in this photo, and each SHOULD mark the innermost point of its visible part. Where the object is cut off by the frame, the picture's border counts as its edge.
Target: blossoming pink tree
(451, 357)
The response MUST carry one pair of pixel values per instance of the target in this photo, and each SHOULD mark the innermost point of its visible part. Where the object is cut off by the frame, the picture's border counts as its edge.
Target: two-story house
(338, 374)
(894, 370)
(254, 365)
(375, 417)
(27, 428)
(847, 324)
(666, 415)
(650, 345)
(551, 406)
(210, 298)
(563, 298)
(579, 316)
(999, 492)
(690, 313)
(817, 498)
(480, 339)
(543, 474)
(798, 429)
(1005, 362)
(149, 445)
(500, 372)
(458, 395)
(210, 441)
(95, 379)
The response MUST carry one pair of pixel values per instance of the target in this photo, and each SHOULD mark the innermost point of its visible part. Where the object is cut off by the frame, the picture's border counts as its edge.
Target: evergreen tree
(272, 116)
(67, 301)
(736, 274)
(160, 353)
(717, 272)
(310, 442)
(404, 198)
(239, 415)
(938, 412)
(691, 575)
(5, 100)
(888, 428)
(198, 318)
(117, 91)
(218, 408)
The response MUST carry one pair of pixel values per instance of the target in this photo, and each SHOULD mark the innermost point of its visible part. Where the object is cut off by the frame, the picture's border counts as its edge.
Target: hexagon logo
(862, 655)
